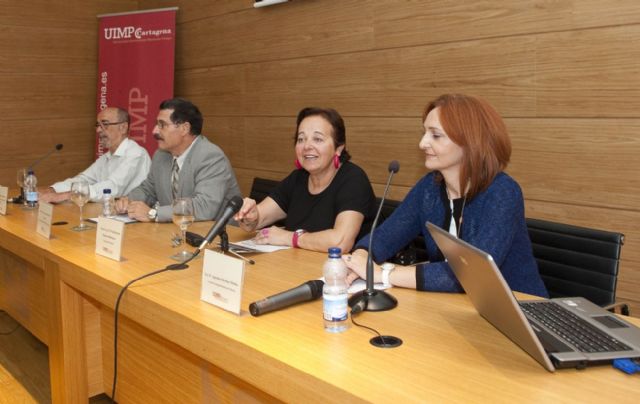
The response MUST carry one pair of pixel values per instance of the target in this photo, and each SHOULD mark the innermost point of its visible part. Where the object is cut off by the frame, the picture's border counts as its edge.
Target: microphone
(371, 299)
(308, 291)
(57, 148)
(233, 206)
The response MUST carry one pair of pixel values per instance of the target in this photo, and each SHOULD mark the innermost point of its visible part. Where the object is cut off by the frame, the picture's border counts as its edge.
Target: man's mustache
(157, 136)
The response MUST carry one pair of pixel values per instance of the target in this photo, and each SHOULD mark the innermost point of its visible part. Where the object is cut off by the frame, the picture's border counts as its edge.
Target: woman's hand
(274, 235)
(357, 264)
(248, 215)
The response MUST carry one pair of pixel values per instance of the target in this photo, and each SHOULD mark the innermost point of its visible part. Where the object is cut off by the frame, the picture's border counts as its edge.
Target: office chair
(412, 253)
(261, 188)
(578, 261)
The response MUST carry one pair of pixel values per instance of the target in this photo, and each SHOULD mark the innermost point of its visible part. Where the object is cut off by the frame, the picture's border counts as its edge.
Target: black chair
(578, 261)
(261, 188)
(412, 253)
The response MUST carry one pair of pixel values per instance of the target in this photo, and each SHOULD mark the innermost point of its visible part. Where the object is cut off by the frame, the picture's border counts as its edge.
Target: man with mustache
(186, 164)
(122, 168)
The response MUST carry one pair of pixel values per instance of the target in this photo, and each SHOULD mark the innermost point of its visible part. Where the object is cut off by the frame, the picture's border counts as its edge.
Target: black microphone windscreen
(235, 203)
(316, 288)
(59, 146)
(394, 166)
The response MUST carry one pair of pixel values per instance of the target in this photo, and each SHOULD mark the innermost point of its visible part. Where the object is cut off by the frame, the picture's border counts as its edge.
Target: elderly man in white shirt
(121, 169)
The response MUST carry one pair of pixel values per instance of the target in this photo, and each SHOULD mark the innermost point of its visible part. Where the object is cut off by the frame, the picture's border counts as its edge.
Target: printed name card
(109, 238)
(222, 279)
(4, 191)
(45, 216)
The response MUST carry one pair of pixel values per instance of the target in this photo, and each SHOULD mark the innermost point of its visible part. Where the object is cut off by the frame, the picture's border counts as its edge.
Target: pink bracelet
(296, 236)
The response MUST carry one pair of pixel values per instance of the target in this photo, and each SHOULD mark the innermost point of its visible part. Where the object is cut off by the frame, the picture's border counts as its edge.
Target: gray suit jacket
(206, 176)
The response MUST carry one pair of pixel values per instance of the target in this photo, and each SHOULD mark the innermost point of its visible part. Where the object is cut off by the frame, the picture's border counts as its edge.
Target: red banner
(135, 67)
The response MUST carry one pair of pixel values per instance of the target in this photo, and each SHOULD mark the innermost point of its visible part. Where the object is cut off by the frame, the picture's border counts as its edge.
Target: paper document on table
(251, 245)
(121, 218)
(361, 284)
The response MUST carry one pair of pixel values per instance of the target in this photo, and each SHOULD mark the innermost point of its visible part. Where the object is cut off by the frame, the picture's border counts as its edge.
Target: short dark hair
(184, 111)
(332, 116)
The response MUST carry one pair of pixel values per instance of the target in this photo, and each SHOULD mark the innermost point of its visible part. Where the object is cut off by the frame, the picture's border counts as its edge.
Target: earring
(297, 164)
(336, 161)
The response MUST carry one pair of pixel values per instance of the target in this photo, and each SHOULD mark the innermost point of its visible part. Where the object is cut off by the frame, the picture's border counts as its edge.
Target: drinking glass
(183, 216)
(80, 196)
(22, 174)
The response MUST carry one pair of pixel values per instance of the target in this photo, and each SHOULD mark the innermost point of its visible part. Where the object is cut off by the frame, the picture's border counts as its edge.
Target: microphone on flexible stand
(371, 299)
(20, 198)
(57, 148)
(308, 291)
(233, 206)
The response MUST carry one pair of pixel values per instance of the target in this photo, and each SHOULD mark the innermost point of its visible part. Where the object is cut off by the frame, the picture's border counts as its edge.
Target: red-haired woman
(466, 147)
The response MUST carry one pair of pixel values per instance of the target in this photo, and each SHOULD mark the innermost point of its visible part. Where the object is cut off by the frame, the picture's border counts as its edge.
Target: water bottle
(31, 190)
(108, 208)
(334, 293)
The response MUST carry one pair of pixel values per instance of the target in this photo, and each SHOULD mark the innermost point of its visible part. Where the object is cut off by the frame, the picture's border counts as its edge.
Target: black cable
(356, 310)
(172, 267)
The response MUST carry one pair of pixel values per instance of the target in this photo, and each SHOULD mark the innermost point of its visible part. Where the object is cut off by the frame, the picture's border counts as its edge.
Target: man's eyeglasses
(163, 124)
(104, 124)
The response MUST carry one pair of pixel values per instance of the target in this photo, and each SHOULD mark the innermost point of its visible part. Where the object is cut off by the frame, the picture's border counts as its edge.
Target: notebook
(537, 326)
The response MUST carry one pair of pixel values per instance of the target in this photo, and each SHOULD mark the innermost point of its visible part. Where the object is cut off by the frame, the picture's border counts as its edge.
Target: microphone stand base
(377, 300)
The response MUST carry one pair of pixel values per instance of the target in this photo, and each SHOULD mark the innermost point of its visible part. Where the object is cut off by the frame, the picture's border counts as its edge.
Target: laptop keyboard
(584, 336)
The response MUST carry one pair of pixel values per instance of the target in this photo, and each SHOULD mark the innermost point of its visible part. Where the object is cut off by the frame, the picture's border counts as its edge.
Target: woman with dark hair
(466, 147)
(326, 202)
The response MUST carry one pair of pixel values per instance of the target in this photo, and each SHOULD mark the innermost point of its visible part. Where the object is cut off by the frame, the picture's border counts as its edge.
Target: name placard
(109, 237)
(45, 216)
(4, 191)
(222, 279)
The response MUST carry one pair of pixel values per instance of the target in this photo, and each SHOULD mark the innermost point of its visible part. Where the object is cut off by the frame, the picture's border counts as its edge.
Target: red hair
(478, 129)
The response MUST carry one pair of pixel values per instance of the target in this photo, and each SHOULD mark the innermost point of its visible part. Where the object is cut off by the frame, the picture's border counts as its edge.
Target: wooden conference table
(175, 348)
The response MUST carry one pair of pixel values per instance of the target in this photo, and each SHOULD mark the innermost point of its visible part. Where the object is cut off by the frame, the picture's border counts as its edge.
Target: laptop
(594, 335)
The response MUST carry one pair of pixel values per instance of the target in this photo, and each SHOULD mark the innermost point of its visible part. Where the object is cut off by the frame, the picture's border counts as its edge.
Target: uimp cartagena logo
(131, 32)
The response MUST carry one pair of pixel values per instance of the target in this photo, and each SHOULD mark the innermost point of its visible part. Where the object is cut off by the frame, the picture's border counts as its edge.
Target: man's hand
(50, 196)
(138, 210)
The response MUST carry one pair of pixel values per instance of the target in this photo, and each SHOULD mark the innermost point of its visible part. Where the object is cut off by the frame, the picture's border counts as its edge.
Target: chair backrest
(413, 252)
(576, 261)
(261, 188)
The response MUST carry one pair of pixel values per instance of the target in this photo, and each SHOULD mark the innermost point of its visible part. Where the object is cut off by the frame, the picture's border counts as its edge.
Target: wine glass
(183, 216)
(80, 196)
(22, 174)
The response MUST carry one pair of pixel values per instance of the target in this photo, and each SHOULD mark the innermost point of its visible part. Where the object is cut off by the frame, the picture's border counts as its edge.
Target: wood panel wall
(48, 65)
(565, 75)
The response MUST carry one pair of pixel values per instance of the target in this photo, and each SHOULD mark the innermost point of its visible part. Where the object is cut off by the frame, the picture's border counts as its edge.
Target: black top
(349, 190)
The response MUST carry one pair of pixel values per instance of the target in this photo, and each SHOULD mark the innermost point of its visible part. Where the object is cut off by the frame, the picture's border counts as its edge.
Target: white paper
(265, 248)
(109, 238)
(222, 280)
(45, 216)
(121, 218)
(4, 191)
(361, 284)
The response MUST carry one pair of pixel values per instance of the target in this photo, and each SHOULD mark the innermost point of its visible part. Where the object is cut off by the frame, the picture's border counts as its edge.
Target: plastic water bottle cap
(106, 191)
(335, 252)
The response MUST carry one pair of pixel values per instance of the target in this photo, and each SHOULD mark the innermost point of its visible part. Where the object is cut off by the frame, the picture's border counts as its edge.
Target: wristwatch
(296, 236)
(152, 214)
(387, 268)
